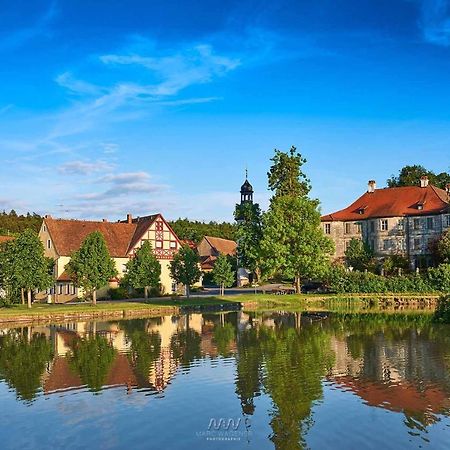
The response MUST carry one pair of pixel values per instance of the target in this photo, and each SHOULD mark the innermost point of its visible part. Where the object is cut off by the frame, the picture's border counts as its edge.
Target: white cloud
(67, 81)
(84, 167)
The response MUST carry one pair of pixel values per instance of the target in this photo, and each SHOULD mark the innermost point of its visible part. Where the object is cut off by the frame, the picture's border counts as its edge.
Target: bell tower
(246, 190)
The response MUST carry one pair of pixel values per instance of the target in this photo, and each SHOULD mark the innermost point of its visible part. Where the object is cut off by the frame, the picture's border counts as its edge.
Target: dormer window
(420, 206)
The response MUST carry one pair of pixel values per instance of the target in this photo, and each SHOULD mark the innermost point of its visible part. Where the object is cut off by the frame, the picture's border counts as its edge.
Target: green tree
(144, 270)
(442, 247)
(92, 358)
(8, 281)
(185, 268)
(223, 273)
(249, 234)
(23, 360)
(358, 254)
(285, 175)
(410, 176)
(32, 269)
(91, 267)
(196, 230)
(293, 242)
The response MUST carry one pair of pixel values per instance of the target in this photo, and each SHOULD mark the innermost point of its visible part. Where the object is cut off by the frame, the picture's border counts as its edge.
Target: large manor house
(393, 221)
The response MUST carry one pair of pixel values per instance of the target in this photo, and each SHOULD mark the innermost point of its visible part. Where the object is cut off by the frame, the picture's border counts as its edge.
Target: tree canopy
(144, 270)
(195, 230)
(185, 268)
(285, 175)
(411, 175)
(91, 266)
(13, 223)
(223, 273)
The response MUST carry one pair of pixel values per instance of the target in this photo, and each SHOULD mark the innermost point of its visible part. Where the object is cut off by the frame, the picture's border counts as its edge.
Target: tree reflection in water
(23, 360)
(92, 358)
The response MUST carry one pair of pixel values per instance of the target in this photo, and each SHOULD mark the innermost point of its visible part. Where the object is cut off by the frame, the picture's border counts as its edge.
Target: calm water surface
(264, 380)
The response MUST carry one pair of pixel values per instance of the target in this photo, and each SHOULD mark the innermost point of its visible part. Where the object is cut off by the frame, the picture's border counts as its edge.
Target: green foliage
(31, 270)
(440, 277)
(92, 359)
(293, 241)
(223, 337)
(223, 273)
(410, 176)
(249, 234)
(185, 346)
(442, 248)
(12, 223)
(442, 313)
(393, 263)
(340, 281)
(196, 230)
(119, 293)
(23, 360)
(358, 255)
(91, 267)
(185, 268)
(8, 281)
(285, 175)
(144, 270)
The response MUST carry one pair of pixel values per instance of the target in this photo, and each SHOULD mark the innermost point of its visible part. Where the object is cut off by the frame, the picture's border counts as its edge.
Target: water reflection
(293, 360)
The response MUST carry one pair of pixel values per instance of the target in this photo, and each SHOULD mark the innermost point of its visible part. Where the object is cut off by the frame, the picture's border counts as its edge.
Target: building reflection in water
(399, 366)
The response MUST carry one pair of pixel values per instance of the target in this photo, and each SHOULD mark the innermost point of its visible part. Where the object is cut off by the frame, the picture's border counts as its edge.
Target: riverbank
(248, 302)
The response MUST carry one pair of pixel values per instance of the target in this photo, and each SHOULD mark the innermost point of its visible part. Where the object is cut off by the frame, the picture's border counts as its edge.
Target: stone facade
(423, 214)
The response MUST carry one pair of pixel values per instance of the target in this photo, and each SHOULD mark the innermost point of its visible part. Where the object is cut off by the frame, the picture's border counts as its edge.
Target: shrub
(442, 313)
(439, 277)
(119, 293)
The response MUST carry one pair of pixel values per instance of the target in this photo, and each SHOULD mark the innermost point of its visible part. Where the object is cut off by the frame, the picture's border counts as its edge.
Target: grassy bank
(250, 302)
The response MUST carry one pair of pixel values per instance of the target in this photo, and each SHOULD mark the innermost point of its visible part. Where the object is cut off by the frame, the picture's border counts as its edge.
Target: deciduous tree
(91, 267)
(223, 273)
(185, 268)
(358, 254)
(144, 270)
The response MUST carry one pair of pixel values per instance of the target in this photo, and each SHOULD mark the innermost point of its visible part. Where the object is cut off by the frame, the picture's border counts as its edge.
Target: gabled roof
(223, 246)
(68, 235)
(394, 202)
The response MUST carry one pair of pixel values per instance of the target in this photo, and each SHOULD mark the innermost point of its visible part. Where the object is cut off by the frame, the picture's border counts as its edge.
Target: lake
(236, 380)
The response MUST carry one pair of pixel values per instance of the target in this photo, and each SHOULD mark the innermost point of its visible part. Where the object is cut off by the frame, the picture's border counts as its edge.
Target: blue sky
(109, 107)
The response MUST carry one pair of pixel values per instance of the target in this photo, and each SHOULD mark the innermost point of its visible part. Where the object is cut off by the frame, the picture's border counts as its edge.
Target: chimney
(447, 189)
(372, 186)
(129, 218)
(47, 216)
(105, 220)
(424, 181)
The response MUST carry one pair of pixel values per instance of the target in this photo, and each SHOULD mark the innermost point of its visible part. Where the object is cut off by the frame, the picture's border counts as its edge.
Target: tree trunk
(29, 297)
(146, 292)
(298, 286)
(188, 293)
(222, 289)
(94, 297)
(22, 296)
(257, 275)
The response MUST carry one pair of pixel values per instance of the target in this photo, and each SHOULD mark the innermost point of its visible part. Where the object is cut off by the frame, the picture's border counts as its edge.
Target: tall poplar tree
(293, 242)
(91, 267)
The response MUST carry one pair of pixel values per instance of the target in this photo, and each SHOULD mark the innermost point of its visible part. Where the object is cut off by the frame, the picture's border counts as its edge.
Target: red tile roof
(223, 246)
(68, 235)
(121, 237)
(394, 202)
(4, 239)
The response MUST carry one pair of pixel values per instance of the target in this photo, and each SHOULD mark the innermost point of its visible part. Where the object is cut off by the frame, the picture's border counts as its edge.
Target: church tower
(246, 191)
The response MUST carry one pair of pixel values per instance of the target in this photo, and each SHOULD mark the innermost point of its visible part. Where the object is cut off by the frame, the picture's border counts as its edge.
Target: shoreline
(43, 313)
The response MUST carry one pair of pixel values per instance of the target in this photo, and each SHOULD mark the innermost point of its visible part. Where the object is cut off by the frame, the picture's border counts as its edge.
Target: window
(159, 244)
(430, 223)
(386, 244)
(372, 244)
(44, 228)
(417, 244)
(49, 243)
(328, 228)
(348, 228)
(60, 289)
(159, 226)
(358, 227)
(173, 244)
(372, 227)
(347, 244)
(384, 225)
(416, 224)
(447, 221)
